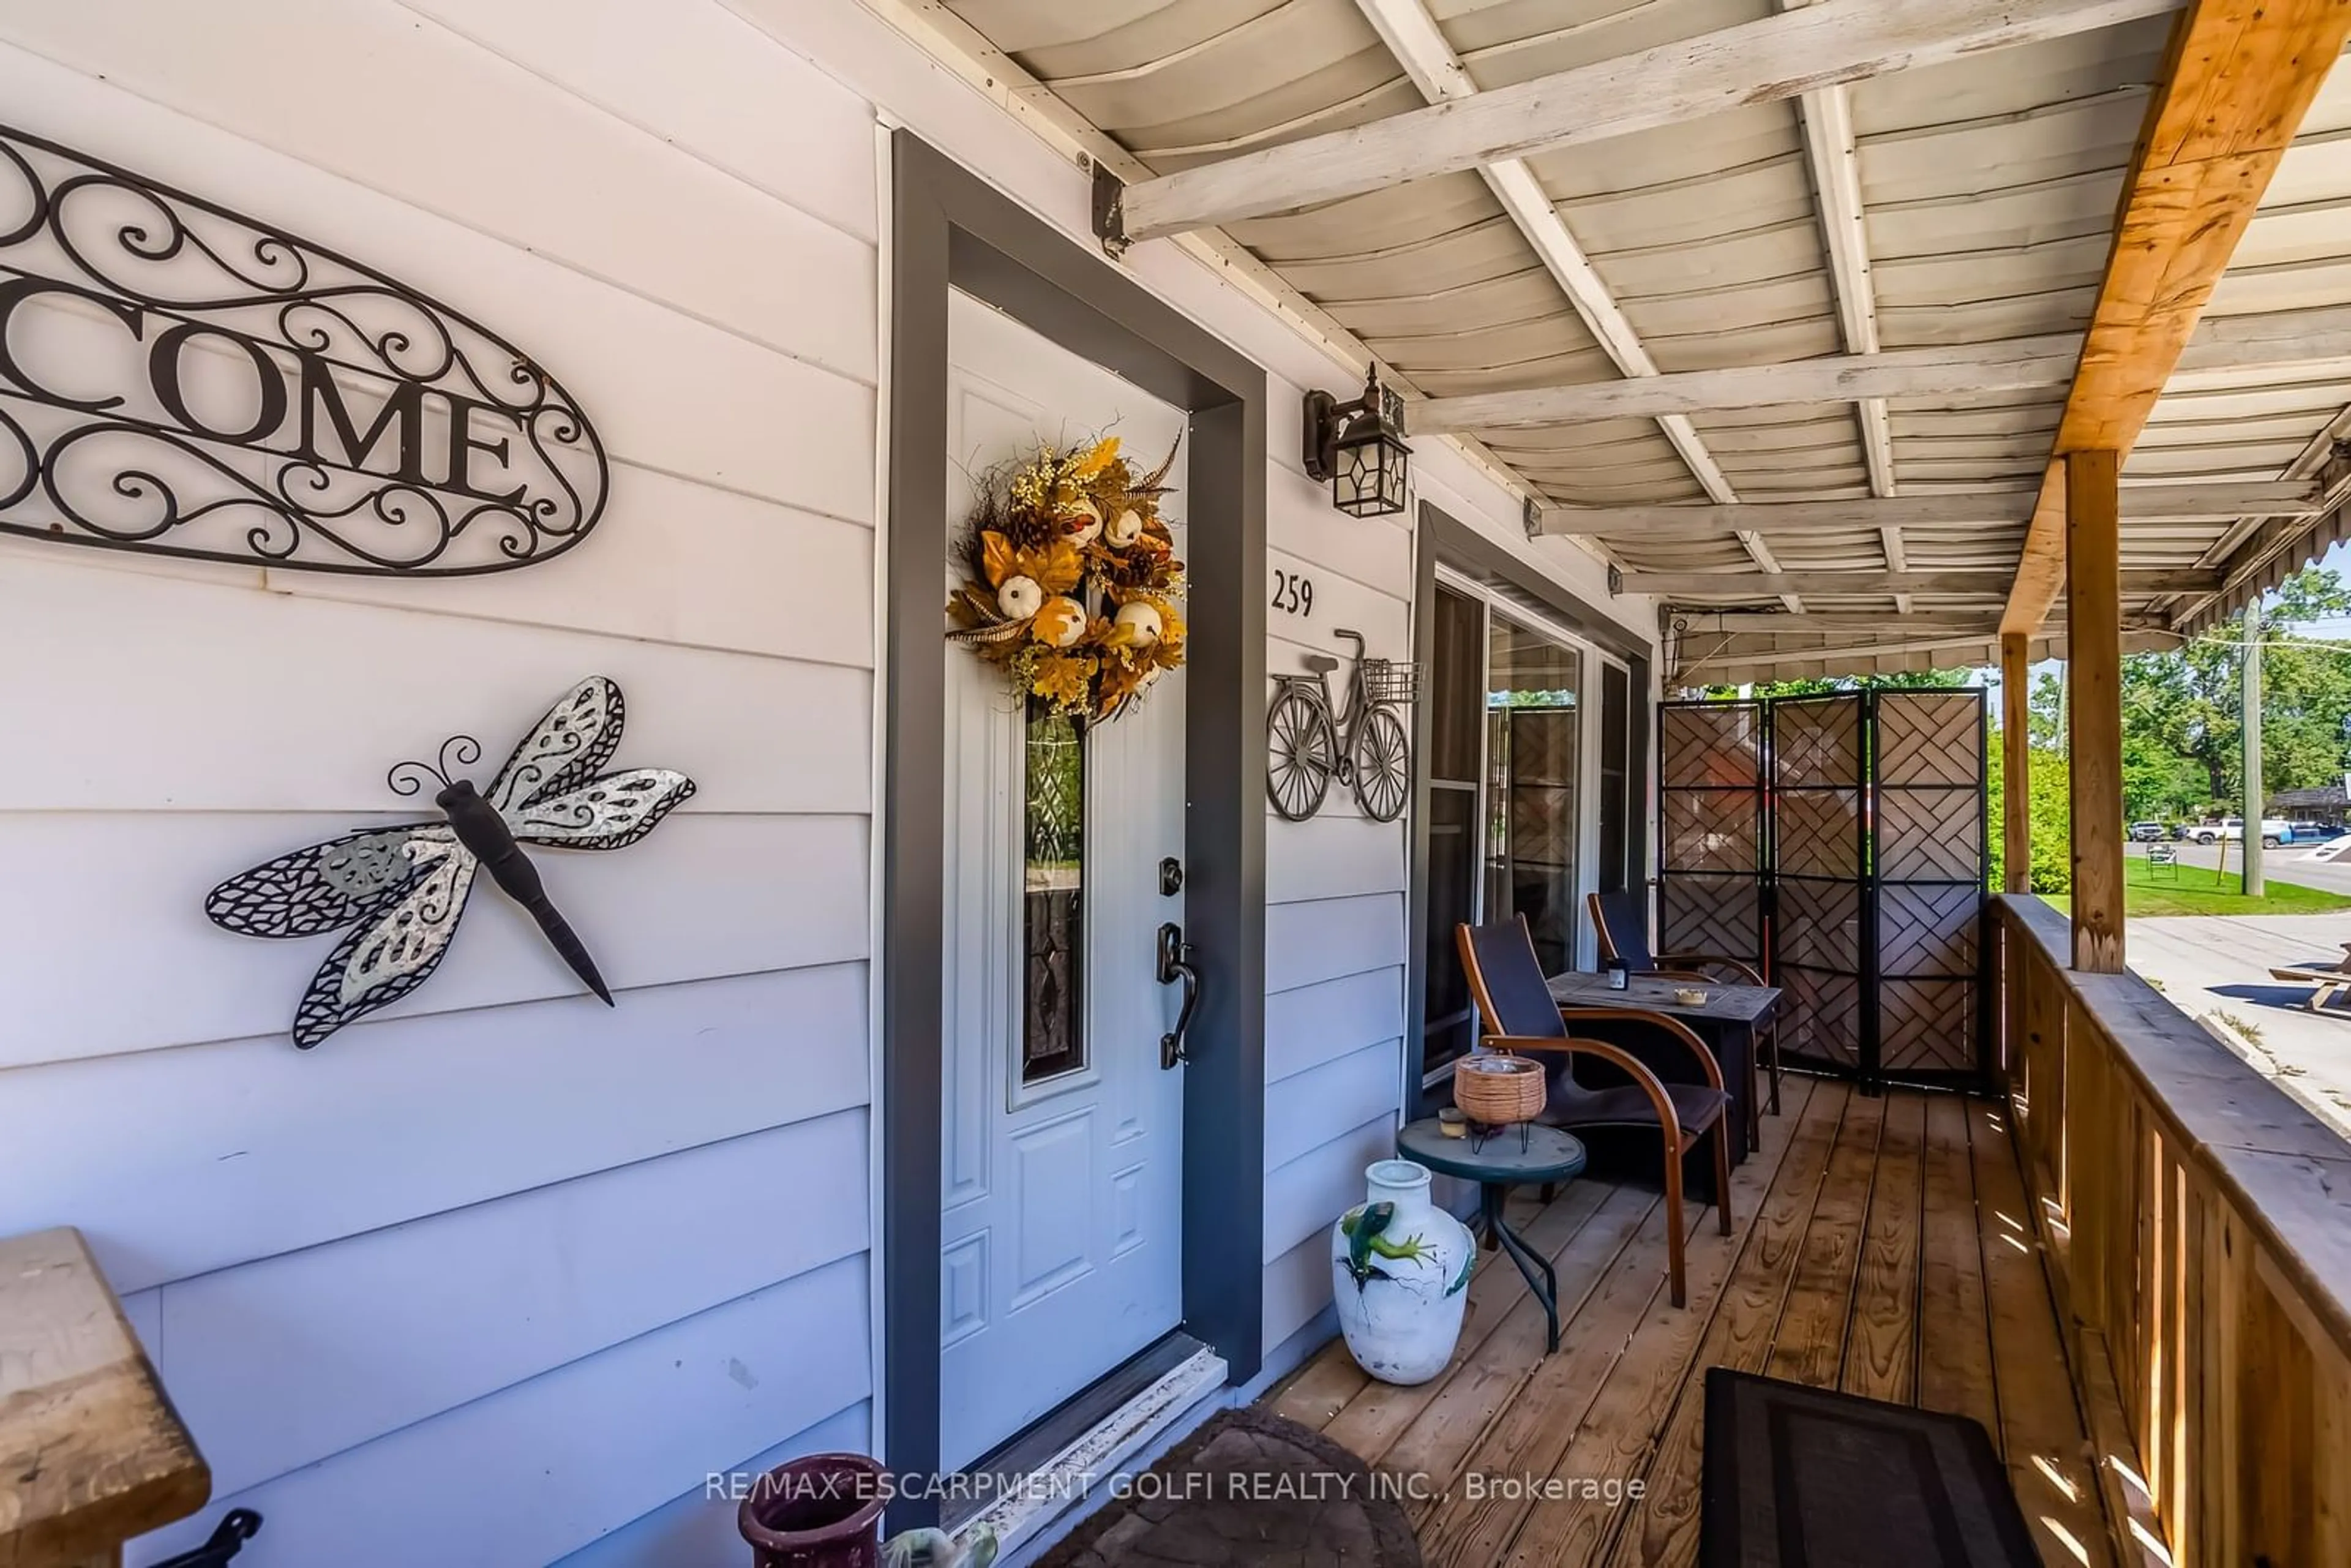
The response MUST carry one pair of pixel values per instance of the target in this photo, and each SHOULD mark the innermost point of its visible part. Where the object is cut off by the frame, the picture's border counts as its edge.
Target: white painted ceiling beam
(2222, 345)
(2272, 338)
(1772, 58)
(1746, 588)
(1412, 36)
(2206, 501)
(1983, 623)
(1825, 118)
(1935, 371)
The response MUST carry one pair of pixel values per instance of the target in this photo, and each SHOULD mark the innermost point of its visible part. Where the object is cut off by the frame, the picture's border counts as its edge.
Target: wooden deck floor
(1881, 1245)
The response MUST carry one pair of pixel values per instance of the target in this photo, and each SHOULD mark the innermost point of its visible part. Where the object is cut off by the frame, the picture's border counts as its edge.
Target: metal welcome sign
(180, 378)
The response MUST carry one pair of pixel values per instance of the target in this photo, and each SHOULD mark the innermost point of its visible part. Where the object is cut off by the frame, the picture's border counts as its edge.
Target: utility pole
(2255, 795)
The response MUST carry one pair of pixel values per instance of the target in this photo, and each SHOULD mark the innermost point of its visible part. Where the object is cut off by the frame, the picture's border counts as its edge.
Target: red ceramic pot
(821, 1511)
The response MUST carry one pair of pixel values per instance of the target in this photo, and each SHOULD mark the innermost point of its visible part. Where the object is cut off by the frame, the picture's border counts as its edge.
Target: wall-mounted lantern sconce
(1359, 447)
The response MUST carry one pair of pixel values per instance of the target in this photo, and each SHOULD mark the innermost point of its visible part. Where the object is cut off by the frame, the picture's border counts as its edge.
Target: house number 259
(1293, 593)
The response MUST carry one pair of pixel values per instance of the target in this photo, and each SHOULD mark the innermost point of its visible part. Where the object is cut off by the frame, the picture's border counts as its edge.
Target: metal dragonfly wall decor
(402, 889)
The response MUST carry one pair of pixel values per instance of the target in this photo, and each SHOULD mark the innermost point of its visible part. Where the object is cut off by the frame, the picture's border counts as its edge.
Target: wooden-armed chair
(1506, 979)
(1624, 930)
(1623, 927)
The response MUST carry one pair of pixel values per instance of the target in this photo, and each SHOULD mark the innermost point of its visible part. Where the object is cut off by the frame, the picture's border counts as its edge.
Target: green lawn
(2193, 890)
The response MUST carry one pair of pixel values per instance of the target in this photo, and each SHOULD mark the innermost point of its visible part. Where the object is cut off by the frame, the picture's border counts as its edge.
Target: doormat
(1797, 1475)
(1249, 1486)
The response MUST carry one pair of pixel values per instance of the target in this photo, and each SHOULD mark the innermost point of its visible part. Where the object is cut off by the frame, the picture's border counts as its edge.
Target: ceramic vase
(1400, 1274)
(821, 1511)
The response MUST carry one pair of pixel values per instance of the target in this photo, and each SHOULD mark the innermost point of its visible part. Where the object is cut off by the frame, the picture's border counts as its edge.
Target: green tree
(2183, 708)
(1820, 685)
(2051, 819)
(2044, 711)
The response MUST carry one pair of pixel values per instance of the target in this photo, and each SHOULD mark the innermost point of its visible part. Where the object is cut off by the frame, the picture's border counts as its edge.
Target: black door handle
(1175, 964)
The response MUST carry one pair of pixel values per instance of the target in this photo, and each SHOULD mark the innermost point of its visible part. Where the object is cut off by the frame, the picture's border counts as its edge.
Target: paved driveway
(2213, 962)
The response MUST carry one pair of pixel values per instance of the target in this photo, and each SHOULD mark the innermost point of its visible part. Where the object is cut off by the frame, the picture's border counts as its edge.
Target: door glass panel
(1452, 891)
(1533, 725)
(1457, 662)
(1053, 912)
(1615, 868)
(1457, 697)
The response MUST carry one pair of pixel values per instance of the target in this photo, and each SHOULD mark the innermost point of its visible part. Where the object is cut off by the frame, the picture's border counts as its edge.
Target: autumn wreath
(1074, 584)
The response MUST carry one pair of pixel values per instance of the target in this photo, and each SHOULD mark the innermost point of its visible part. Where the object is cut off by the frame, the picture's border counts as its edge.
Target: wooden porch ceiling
(1880, 1245)
(1710, 255)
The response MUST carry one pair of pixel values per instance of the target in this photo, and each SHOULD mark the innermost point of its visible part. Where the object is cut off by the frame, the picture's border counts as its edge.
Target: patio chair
(1623, 927)
(1506, 979)
(2333, 980)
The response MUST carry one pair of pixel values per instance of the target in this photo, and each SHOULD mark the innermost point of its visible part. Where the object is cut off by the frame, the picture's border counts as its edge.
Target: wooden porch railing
(2198, 1228)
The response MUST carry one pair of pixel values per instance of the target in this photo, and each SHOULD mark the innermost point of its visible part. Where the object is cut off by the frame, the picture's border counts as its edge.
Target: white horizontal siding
(1329, 856)
(501, 150)
(704, 896)
(294, 1358)
(696, 565)
(1297, 1286)
(1336, 885)
(1298, 1195)
(1328, 937)
(326, 696)
(666, 389)
(1311, 1024)
(177, 1162)
(701, 80)
(695, 1527)
(1304, 1112)
(498, 1271)
(534, 1471)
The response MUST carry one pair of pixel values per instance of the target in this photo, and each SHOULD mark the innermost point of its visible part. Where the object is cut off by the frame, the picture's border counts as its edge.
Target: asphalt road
(2221, 963)
(2287, 862)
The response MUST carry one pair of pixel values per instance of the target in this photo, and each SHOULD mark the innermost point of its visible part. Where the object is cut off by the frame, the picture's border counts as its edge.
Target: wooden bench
(91, 1452)
(2331, 983)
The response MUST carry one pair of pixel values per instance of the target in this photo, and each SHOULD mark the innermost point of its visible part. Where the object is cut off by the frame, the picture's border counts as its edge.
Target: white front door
(1062, 1170)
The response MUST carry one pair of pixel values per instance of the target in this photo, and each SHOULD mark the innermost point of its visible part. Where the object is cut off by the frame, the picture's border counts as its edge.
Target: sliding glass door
(1512, 801)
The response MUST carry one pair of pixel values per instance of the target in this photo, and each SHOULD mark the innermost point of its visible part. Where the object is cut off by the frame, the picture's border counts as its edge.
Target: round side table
(1497, 1162)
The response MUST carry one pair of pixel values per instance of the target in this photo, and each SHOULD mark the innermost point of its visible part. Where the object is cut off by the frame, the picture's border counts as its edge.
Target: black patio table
(1729, 1021)
(1497, 1159)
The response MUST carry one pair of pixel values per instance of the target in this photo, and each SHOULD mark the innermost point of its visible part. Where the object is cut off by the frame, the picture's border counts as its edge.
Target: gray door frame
(950, 229)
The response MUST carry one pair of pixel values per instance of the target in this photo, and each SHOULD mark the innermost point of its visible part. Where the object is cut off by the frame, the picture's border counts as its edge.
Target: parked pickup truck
(2275, 830)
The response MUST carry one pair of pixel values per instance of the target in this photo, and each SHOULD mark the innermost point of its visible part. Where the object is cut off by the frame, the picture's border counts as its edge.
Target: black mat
(1798, 1474)
(1250, 1487)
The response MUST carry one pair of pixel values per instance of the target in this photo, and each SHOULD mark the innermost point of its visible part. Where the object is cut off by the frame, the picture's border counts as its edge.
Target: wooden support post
(2257, 796)
(2095, 709)
(2015, 767)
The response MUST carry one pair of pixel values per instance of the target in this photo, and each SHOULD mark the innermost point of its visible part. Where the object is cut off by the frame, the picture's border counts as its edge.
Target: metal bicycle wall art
(402, 889)
(179, 379)
(1362, 744)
